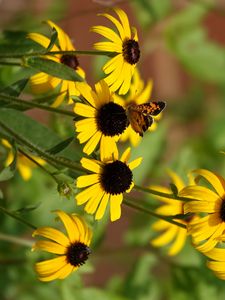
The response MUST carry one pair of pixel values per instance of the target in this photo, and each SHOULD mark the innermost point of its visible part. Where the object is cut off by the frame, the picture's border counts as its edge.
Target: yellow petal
(178, 243)
(49, 247)
(52, 234)
(84, 110)
(91, 165)
(165, 237)
(126, 155)
(92, 143)
(108, 148)
(115, 206)
(87, 180)
(88, 193)
(215, 180)
(135, 163)
(50, 266)
(102, 207)
(93, 203)
(69, 225)
(24, 170)
(124, 21)
(107, 33)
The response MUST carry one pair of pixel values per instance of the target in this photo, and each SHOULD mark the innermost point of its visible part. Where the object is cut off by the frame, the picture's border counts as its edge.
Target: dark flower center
(116, 177)
(222, 210)
(112, 119)
(131, 51)
(77, 254)
(70, 61)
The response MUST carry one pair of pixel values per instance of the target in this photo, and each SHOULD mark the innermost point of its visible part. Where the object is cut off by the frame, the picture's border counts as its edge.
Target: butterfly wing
(138, 121)
(152, 108)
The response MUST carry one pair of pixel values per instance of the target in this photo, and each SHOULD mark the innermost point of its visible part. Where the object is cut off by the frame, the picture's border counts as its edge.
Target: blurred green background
(183, 50)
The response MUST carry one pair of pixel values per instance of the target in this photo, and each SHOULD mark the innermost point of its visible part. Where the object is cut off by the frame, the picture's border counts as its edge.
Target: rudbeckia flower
(42, 82)
(139, 93)
(124, 43)
(171, 234)
(24, 165)
(103, 120)
(209, 204)
(72, 250)
(109, 180)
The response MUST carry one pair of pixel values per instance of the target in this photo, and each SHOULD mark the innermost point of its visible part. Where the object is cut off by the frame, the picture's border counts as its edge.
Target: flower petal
(52, 234)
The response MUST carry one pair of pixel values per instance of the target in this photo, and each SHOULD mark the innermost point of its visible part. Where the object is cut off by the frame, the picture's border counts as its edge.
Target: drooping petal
(48, 246)
(115, 206)
(102, 207)
(215, 180)
(52, 234)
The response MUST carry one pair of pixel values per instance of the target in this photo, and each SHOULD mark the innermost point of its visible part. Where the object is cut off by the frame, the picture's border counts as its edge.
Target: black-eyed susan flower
(171, 234)
(139, 93)
(124, 43)
(23, 164)
(209, 204)
(72, 250)
(42, 82)
(103, 120)
(107, 183)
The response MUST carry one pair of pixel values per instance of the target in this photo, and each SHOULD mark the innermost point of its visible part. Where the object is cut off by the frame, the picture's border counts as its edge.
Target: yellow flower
(42, 82)
(103, 120)
(171, 234)
(107, 183)
(124, 43)
(24, 165)
(139, 93)
(72, 250)
(210, 205)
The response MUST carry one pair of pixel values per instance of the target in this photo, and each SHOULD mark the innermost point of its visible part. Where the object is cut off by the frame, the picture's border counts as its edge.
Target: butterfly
(140, 116)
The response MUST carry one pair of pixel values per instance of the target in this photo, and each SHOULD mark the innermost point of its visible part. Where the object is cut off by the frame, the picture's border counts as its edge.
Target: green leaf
(34, 132)
(53, 68)
(53, 40)
(60, 146)
(14, 50)
(16, 88)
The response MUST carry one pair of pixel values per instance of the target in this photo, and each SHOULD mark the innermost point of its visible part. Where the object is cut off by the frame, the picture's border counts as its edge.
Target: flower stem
(52, 159)
(161, 194)
(145, 210)
(15, 240)
(30, 104)
(40, 166)
(13, 215)
(74, 52)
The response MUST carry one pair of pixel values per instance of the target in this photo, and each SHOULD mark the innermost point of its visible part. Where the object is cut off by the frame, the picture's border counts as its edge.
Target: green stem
(161, 194)
(13, 215)
(74, 52)
(8, 63)
(40, 166)
(145, 210)
(15, 240)
(55, 160)
(36, 105)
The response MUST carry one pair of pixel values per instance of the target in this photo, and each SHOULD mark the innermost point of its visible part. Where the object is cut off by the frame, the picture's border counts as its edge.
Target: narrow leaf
(15, 89)
(53, 40)
(61, 146)
(53, 68)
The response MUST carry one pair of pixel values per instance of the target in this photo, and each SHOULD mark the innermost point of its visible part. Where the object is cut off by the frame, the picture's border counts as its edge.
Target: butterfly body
(140, 116)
